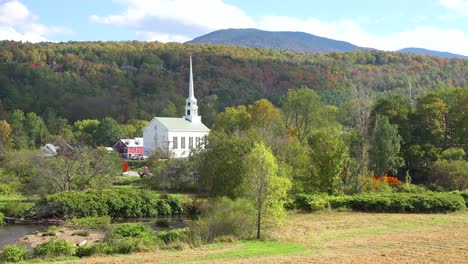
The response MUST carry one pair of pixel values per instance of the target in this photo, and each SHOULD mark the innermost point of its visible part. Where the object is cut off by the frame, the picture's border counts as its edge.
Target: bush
(85, 251)
(131, 230)
(93, 222)
(5, 189)
(175, 235)
(427, 202)
(83, 233)
(162, 223)
(225, 217)
(116, 203)
(13, 253)
(15, 209)
(55, 248)
(1, 218)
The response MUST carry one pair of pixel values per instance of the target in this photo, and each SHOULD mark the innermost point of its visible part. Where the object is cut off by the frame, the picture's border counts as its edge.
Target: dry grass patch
(332, 237)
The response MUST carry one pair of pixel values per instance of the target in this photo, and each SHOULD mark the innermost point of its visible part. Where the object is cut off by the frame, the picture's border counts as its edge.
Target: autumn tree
(5, 133)
(263, 186)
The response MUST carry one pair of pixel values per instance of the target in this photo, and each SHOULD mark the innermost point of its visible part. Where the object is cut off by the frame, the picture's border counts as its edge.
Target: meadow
(330, 237)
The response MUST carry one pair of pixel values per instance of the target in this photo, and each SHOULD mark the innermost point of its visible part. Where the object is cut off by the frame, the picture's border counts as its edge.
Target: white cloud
(18, 23)
(458, 5)
(174, 20)
(452, 40)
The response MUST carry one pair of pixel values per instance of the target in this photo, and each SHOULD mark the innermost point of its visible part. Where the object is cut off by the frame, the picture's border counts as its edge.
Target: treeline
(138, 80)
(367, 145)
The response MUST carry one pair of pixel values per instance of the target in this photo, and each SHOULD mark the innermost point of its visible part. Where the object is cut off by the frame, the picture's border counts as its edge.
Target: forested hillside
(127, 80)
(278, 40)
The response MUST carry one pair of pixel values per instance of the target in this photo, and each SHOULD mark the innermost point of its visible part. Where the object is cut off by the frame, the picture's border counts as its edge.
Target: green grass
(254, 248)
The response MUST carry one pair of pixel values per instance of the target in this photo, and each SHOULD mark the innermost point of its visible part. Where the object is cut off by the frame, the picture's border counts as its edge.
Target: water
(9, 234)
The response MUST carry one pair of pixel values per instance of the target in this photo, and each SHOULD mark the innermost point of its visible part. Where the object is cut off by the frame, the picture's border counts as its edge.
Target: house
(130, 148)
(177, 136)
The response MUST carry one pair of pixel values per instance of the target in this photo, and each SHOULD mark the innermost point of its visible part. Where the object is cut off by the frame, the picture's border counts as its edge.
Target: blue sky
(389, 25)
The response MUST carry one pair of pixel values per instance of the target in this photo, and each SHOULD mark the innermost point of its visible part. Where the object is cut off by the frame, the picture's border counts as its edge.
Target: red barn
(129, 148)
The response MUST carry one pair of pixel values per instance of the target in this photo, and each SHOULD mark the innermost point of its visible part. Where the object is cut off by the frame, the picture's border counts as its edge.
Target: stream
(9, 234)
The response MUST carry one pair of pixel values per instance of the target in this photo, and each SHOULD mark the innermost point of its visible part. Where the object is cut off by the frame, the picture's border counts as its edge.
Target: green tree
(36, 129)
(301, 108)
(450, 174)
(73, 168)
(454, 154)
(20, 137)
(329, 154)
(108, 132)
(233, 119)
(385, 147)
(430, 120)
(221, 164)
(170, 110)
(263, 186)
(397, 108)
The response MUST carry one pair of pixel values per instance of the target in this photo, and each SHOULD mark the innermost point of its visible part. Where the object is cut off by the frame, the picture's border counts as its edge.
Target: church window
(197, 142)
(190, 140)
(188, 103)
(174, 142)
(182, 142)
(188, 112)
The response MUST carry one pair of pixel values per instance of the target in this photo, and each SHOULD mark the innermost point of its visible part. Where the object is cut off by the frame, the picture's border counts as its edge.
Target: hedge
(116, 203)
(428, 202)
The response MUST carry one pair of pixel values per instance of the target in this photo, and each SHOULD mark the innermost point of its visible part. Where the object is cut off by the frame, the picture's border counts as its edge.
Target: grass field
(332, 237)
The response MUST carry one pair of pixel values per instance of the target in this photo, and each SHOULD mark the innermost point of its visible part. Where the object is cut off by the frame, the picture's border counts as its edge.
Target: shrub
(131, 230)
(83, 233)
(225, 217)
(116, 203)
(49, 233)
(85, 251)
(93, 222)
(125, 246)
(175, 235)
(1, 218)
(163, 223)
(5, 189)
(15, 209)
(55, 248)
(163, 207)
(13, 253)
(427, 202)
(101, 248)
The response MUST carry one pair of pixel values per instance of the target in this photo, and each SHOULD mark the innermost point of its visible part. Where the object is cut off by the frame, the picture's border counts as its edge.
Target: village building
(177, 136)
(130, 148)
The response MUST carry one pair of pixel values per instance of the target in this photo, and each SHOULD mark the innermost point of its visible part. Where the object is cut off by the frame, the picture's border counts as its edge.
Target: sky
(387, 25)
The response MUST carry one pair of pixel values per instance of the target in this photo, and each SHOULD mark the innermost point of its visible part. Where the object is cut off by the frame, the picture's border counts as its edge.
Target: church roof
(174, 123)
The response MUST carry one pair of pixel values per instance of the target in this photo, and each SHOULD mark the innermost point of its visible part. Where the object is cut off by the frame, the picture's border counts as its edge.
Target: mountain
(280, 40)
(442, 54)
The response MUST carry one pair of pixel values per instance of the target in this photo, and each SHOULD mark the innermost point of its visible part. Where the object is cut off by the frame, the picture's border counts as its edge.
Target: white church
(177, 136)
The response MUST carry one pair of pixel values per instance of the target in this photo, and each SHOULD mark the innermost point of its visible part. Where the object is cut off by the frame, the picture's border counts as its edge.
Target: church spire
(191, 80)
(191, 108)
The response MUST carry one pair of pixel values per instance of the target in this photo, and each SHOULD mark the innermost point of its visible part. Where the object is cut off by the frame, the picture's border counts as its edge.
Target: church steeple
(191, 108)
